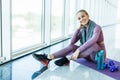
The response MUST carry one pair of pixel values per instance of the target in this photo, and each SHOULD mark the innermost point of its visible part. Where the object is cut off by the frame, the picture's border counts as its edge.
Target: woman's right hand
(75, 54)
(80, 26)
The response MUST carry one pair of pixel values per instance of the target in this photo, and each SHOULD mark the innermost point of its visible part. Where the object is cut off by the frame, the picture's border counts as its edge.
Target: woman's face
(83, 18)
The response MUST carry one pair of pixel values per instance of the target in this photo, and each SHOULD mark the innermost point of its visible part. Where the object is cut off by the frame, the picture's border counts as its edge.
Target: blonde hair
(82, 10)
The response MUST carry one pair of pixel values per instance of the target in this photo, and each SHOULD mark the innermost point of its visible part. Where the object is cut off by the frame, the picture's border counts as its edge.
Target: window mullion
(47, 21)
(6, 34)
(0, 29)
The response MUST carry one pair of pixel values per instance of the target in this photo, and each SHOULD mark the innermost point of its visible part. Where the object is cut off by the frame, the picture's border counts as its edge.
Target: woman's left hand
(76, 54)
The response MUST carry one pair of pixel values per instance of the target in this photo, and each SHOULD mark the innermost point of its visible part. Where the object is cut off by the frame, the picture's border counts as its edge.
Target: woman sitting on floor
(91, 38)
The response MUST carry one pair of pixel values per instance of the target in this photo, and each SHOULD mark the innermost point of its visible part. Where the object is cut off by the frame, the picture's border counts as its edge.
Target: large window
(72, 16)
(57, 18)
(26, 23)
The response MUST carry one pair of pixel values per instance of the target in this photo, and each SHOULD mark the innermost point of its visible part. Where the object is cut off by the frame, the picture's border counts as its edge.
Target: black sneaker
(62, 61)
(42, 58)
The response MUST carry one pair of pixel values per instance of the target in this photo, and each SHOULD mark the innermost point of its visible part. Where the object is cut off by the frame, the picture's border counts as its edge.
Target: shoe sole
(43, 61)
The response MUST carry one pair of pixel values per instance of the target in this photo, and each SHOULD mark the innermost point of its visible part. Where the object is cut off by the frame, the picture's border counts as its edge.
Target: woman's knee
(94, 48)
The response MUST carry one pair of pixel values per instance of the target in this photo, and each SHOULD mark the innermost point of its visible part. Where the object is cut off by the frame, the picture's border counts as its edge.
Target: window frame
(0, 29)
(6, 30)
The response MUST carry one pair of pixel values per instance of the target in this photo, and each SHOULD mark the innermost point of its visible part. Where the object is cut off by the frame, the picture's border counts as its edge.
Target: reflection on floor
(27, 68)
(74, 71)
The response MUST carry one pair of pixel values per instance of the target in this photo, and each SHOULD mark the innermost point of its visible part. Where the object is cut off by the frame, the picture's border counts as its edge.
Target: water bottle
(100, 59)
